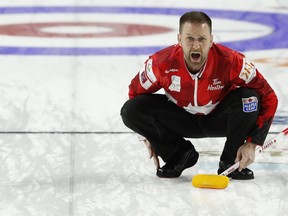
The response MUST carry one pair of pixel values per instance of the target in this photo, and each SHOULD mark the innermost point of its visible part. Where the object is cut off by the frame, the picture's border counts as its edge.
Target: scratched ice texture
(48, 171)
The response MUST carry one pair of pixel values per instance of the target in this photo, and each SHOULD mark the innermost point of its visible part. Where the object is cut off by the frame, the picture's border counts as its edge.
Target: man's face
(195, 40)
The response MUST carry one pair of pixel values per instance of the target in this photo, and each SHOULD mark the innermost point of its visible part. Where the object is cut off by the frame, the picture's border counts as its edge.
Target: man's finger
(239, 155)
(244, 163)
(149, 148)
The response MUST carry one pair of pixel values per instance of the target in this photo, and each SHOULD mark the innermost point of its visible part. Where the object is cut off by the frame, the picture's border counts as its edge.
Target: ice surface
(63, 147)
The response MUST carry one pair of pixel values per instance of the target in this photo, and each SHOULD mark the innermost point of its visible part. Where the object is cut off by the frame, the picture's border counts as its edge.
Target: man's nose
(196, 45)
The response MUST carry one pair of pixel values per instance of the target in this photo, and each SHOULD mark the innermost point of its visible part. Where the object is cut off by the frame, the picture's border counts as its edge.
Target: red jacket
(224, 71)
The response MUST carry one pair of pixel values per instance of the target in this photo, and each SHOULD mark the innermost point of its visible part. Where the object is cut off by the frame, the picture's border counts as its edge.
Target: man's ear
(179, 38)
(211, 43)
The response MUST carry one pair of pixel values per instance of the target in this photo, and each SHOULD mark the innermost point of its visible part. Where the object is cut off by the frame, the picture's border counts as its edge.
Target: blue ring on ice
(275, 40)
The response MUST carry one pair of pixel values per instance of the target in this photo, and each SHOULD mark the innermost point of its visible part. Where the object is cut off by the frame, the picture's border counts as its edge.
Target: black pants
(166, 125)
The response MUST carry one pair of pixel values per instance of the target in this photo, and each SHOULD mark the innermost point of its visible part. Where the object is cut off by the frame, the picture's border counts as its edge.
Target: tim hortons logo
(216, 85)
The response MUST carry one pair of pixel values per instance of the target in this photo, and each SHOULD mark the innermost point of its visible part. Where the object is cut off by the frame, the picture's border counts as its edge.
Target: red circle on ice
(114, 29)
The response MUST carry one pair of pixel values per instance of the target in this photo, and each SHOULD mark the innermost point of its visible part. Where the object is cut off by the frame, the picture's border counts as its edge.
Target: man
(210, 91)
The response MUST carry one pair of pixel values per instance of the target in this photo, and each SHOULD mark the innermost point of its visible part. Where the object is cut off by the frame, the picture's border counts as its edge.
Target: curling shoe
(245, 174)
(181, 161)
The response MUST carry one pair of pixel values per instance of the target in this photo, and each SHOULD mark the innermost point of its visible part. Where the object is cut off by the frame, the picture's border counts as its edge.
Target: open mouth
(195, 56)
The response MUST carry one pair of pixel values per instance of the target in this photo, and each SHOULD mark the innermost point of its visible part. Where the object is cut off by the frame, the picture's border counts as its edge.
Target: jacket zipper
(196, 91)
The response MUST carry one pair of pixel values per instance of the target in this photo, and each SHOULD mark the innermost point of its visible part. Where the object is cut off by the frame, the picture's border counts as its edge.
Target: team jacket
(225, 70)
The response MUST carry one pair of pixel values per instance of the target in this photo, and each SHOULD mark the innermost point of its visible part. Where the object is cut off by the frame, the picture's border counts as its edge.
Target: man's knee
(250, 102)
(244, 105)
(141, 104)
(247, 99)
(127, 110)
(133, 111)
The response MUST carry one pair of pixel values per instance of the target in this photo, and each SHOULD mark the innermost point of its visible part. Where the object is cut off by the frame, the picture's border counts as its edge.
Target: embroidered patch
(250, 104)
(146, 75)
(150, 72)
(145, 82)
(248, 71)
(143, 77)
(175, 84)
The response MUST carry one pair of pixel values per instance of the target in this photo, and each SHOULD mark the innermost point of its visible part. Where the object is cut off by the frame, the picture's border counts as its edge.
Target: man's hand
(152, 153)
(245, 155)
